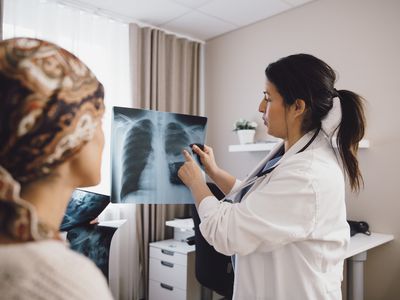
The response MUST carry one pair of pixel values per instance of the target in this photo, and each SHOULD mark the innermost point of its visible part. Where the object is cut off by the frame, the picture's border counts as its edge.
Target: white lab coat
(289, 233)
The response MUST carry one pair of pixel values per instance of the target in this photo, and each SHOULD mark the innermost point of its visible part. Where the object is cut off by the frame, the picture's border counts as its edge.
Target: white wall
(360, 39)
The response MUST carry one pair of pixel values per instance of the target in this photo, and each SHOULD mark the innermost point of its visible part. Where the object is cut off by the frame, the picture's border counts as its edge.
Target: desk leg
(206, 293)
(355, 276)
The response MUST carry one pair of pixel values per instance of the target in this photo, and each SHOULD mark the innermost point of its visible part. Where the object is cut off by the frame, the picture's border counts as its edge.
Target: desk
(357, 255)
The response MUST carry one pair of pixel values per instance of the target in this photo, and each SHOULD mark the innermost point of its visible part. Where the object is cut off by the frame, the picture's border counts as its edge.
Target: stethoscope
(263, 174)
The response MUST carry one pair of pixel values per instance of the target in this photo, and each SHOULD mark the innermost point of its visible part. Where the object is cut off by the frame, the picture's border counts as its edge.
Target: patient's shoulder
(48, 270)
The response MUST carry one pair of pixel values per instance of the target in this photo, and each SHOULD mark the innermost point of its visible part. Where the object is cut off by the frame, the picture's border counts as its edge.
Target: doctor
(287, 223)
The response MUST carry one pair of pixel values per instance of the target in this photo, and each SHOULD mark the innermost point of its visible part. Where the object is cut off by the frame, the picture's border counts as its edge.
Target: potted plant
(245, 131)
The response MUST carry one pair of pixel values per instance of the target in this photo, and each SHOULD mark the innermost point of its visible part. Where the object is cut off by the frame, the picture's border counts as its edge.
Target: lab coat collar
(292, 151)
(300, 144)
(262, 163)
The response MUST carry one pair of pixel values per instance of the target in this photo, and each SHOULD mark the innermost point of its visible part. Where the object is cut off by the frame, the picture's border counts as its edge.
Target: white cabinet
(172, 271)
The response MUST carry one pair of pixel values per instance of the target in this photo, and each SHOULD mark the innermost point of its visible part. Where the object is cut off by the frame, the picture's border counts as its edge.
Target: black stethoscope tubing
(266, 172)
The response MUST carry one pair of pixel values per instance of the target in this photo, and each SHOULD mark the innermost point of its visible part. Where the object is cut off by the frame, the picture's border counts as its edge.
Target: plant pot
(246, 136)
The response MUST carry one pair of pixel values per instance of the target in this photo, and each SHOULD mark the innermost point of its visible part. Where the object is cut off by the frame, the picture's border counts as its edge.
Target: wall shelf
(364, 144)
(252, 147)
(268, 146)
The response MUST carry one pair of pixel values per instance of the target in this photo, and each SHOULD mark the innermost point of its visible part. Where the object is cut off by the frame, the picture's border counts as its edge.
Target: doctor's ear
(299, 107)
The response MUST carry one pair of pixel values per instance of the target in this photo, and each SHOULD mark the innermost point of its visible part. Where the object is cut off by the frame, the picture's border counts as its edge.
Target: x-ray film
(83, 207)
(94, 241)
(146, 154)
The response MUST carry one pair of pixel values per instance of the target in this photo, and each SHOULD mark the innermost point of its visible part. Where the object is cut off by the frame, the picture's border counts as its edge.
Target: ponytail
(351, 131)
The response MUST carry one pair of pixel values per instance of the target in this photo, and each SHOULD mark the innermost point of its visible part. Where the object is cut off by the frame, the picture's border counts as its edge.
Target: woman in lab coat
(287, 224)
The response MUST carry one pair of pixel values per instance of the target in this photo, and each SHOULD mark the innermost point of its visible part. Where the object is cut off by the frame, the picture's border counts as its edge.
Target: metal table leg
(355, 276)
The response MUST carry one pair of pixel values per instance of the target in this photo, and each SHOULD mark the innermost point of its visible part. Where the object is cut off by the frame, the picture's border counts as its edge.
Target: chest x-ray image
(146, 154)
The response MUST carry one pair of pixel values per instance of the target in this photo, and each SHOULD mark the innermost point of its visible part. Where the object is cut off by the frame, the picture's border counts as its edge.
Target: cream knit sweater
(49, 270)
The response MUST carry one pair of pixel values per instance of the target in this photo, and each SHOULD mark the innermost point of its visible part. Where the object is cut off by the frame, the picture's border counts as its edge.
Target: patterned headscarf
(50, 106)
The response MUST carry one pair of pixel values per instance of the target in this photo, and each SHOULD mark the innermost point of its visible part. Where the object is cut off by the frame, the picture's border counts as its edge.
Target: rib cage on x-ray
(147, 154)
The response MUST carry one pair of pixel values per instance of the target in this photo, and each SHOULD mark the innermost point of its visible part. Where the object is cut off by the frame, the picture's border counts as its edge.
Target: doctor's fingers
(196, 149)
(205, 154)
(183, 174)
(189, 172)
(199, 151)
(187, 155)
(208, 150)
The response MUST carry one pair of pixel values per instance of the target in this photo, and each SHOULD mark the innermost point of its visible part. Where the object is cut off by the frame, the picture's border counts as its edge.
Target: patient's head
(51, 107)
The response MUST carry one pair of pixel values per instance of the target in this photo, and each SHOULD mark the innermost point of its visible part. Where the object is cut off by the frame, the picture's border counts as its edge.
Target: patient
(51, 142)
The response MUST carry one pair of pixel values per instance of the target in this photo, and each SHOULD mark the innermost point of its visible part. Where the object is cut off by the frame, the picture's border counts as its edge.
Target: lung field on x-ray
(147, 154)
(176, 138)
(136, 152)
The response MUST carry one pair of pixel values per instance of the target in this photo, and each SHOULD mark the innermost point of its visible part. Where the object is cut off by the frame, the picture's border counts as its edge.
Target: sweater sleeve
(272, 215)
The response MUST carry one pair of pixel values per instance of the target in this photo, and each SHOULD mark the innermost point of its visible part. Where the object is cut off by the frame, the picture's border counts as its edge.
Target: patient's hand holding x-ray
(147, 154)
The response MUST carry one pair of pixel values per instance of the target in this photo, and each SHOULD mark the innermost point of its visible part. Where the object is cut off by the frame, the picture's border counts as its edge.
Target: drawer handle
(167, 252)
(166, 286)
(167, 264)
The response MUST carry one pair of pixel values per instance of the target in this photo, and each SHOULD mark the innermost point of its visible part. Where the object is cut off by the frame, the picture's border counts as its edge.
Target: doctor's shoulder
(300, 163)
(313, 166)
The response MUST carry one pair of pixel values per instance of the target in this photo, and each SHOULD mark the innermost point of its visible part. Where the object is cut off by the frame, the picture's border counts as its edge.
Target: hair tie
(335, 93)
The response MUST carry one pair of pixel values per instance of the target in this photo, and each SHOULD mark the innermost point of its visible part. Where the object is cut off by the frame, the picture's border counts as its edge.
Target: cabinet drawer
(162, 291)
(168, 273)
(168, 255)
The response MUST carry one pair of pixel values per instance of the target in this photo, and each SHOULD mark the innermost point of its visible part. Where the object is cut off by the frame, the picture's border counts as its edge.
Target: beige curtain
(1, 19)
(165, 72)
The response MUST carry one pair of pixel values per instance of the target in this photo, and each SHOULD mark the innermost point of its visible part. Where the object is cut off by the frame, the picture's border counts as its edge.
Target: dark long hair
(303, 76)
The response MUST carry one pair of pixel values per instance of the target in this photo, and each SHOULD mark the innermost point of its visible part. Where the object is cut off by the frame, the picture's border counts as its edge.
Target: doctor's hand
(190, 173)
(192, 176)
(207, 159)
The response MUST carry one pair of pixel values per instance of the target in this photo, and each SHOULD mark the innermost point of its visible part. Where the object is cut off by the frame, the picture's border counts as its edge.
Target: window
(101, 43)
